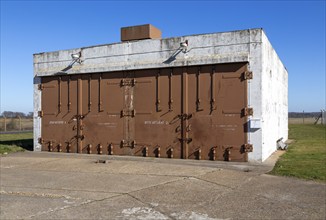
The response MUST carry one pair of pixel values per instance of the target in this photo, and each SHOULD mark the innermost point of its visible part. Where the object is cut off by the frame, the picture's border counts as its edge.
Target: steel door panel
(102, 124)
(59, 110)
(192, 112)
(202, 135)
(221, 130)
(157, 126)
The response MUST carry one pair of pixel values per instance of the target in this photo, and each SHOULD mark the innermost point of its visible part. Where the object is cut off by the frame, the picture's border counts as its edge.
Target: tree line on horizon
(10, 114)
(304, 114)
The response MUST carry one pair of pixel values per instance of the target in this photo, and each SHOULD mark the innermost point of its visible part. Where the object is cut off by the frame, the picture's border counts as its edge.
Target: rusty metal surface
(197, 112)
(146, 31)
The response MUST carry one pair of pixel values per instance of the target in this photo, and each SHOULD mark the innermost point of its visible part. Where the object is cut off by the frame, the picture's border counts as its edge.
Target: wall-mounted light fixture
(76, 57)
(184, 46)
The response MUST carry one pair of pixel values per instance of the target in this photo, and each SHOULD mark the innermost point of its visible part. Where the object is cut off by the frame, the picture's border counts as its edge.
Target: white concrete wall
(254, 92)
(225, 47)
(37, 120)
(274, 99)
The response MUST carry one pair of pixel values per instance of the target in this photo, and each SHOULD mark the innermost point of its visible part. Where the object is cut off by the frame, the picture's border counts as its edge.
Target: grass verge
(5, 149)
(306, 156)
(10, 143)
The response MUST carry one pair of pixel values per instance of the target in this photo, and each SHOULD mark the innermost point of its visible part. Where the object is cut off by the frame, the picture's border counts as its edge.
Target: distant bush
(304, 115)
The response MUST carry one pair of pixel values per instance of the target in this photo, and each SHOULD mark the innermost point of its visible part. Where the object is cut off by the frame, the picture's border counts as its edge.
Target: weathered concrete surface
(69, 186)
(274, 92)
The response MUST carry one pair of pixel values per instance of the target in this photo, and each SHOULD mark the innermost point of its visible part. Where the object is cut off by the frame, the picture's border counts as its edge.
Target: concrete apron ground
(69, 186)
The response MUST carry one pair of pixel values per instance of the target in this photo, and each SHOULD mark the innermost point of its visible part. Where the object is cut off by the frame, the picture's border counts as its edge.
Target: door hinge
(125, 113)
(227, 153)
(40, 140)
(247, 75)
(40, 87)
(248, 111)
(247, 148)
(131, 144)
(40, 114)
(128, 82)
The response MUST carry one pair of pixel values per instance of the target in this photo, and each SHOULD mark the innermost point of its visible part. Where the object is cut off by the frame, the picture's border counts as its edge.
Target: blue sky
(296, 30)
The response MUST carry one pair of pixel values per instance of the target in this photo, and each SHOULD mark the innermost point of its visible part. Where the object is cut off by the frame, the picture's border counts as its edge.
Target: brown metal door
(217, 97)
(82, 113)
(157, 98)
(195, 112)
(101, 108)
(59, 111)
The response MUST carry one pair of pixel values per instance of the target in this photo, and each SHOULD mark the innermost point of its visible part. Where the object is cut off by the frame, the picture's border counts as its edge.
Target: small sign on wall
(254, 124)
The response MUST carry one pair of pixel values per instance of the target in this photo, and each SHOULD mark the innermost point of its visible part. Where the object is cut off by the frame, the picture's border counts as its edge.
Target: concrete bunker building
(219, 96)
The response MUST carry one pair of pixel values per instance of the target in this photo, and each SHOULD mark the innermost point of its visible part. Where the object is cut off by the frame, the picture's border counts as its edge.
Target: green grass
(4, 149)
(10, 143)
(306, 156)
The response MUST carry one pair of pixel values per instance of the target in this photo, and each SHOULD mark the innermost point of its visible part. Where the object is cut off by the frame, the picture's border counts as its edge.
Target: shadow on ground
(27, 144)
